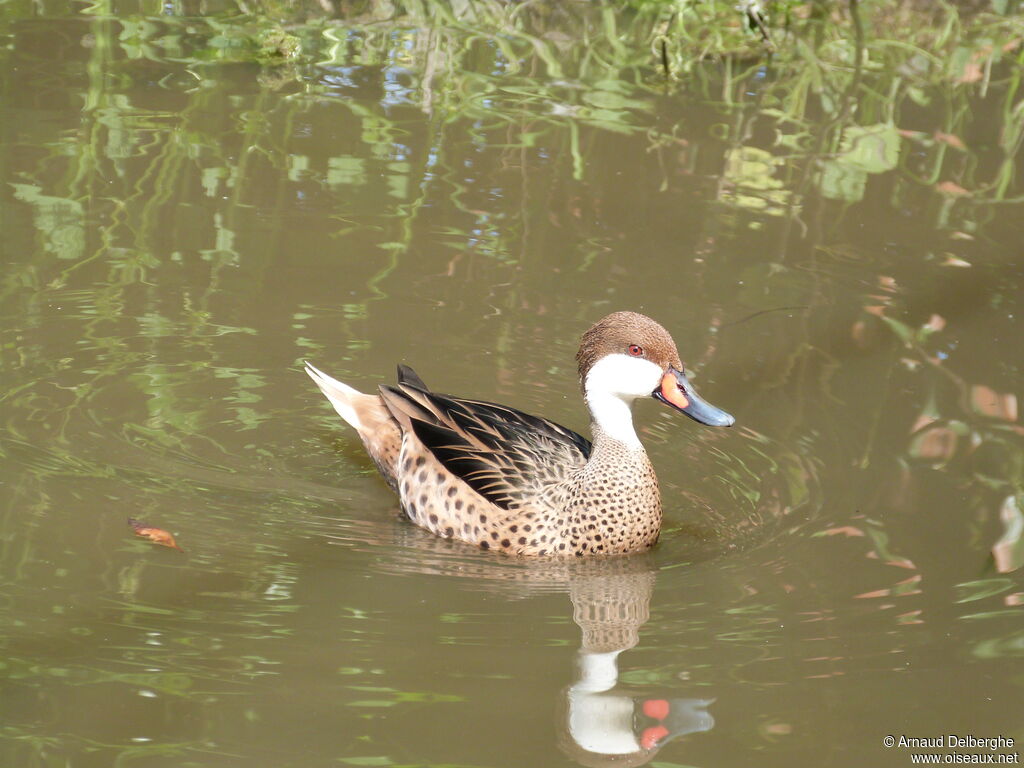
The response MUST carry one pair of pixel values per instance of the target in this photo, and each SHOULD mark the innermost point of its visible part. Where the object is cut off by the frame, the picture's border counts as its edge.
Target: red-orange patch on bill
(670, 391)
(650, 737)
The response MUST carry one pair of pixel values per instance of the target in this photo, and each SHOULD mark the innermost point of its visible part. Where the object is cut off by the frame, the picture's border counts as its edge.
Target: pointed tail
(342, 396)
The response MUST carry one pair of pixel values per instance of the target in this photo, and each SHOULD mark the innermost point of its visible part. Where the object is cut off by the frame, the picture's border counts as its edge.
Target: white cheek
(612, 385)
(623, 376)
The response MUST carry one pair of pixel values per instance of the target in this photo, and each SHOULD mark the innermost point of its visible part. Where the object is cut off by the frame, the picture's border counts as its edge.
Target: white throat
(611, 386)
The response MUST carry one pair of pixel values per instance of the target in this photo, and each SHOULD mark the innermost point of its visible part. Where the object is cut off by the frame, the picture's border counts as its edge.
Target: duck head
(627, 355)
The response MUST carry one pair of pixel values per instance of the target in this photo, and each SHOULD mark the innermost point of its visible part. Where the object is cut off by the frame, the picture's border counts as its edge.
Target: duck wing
(505, 455)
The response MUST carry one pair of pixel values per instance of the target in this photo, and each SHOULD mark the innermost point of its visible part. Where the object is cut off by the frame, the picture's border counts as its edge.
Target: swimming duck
(501, 479)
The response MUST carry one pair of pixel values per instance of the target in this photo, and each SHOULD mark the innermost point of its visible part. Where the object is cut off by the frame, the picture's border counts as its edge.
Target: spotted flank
(501, 479)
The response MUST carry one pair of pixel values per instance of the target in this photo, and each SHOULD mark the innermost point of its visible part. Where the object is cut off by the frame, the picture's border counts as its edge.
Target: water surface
(183, 225)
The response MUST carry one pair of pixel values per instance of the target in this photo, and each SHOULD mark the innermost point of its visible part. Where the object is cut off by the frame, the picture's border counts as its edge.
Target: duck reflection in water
(599, 722)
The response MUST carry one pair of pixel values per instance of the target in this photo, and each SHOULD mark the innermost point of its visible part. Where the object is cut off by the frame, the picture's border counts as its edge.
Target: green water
(836, 249)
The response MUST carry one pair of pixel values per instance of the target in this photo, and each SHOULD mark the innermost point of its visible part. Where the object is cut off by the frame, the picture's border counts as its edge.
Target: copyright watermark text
(956, 749)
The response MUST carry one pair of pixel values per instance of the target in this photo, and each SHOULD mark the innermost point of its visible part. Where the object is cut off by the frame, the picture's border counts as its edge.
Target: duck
(495, 477)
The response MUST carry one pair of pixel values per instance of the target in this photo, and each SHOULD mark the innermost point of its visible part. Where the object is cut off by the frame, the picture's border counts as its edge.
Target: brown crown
(615, 333)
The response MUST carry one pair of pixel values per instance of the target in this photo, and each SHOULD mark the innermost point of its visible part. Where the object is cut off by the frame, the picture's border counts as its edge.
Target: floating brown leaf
(1008, 551)
(953, 261)
(843, 530)
(157, 535)
(988, 402)
(951, 139)
(935, 444)
(951, 189)
(972, 72)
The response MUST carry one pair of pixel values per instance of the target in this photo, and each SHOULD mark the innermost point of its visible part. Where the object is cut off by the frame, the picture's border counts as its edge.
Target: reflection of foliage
(983, 438)
(751, 183)
(863, 151)
(845, 101)
(843, 94)
(60, 220)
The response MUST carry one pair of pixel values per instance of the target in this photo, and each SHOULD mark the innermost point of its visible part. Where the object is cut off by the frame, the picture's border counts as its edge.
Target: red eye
(636, 350)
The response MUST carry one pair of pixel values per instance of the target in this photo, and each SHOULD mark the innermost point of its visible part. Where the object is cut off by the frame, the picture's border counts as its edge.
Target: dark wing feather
(408, 376)
(505, 455)
(526, 422)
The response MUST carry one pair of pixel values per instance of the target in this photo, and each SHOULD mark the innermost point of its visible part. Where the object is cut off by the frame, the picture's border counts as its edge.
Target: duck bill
(675, 390)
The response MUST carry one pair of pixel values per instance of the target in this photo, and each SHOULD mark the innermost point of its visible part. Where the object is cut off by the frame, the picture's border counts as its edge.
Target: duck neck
(610, 386)
(612, 419)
